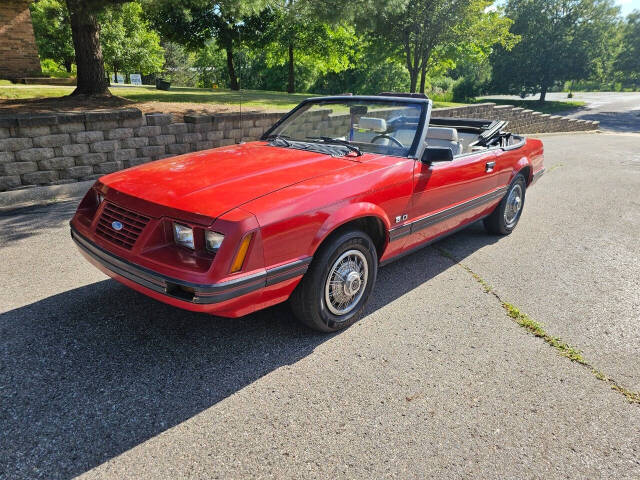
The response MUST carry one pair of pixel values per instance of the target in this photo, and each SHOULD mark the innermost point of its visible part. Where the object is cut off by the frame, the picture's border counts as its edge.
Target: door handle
(490, 166)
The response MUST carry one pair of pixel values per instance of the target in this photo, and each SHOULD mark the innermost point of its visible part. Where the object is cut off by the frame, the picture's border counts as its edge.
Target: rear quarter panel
(512, 161)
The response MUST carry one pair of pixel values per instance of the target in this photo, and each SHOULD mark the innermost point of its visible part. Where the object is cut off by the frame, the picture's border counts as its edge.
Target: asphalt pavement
(435, 382)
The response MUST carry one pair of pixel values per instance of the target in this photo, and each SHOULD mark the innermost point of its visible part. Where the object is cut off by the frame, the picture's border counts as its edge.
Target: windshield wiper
(282, 138)
(338, 141)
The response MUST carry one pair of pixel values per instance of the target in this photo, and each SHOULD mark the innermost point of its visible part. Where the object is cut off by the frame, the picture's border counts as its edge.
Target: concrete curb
(560, 134)
(42, 195)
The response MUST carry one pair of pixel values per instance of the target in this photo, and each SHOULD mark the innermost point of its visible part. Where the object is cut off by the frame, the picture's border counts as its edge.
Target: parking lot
(437, 380)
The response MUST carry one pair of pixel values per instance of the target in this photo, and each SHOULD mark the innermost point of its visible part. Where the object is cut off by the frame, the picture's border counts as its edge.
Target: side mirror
(437, 154)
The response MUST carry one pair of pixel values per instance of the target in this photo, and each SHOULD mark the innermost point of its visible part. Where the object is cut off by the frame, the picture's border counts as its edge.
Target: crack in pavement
(537, 329)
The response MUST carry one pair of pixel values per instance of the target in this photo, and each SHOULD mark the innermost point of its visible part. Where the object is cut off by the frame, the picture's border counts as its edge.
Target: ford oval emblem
(117, 225)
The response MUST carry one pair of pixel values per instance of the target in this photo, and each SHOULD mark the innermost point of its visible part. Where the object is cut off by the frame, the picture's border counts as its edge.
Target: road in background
(436, 380)
(616, 111)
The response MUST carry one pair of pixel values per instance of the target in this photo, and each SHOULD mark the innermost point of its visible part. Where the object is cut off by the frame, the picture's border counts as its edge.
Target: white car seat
(368, 128)
(444, 137)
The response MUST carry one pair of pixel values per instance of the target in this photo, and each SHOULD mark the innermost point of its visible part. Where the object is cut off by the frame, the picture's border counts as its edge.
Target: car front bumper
(179, 292)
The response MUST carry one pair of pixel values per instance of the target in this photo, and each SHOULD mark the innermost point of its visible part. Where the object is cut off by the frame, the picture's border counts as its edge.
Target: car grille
(132, 225)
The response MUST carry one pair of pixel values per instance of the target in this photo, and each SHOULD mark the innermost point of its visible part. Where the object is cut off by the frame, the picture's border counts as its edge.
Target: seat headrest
(441, 133)
(375, 124)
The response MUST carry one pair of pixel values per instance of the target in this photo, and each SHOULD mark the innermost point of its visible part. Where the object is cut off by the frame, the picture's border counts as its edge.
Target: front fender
(346, 214)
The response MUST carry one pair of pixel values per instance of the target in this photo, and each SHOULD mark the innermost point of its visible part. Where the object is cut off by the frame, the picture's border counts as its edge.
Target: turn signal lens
(238, 261)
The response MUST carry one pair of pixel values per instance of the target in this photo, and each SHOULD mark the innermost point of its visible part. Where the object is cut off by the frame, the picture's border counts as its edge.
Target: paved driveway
(436, 381)
(616, 111)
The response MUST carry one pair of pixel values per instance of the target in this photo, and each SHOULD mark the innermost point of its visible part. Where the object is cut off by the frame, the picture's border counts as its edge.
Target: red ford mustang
(336, 188)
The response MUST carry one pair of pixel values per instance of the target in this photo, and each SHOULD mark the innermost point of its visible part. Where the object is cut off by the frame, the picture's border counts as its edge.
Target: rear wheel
(505, 217)
(334, 291)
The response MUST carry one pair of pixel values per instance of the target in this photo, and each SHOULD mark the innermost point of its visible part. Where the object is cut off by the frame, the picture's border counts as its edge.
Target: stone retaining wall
(520, 120)
(53, 149)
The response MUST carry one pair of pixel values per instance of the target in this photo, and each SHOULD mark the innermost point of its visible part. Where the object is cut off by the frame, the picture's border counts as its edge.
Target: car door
(447, 195)
(507, 159)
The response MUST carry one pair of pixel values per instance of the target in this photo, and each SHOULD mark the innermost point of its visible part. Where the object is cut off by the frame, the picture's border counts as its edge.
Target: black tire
(496, 223)
(308, 300)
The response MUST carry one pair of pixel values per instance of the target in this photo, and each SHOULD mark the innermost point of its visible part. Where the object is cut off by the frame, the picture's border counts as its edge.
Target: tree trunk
(291, 85)
(413, 76)
(426, 56)
(233, 80)
(86, 41)
(412, 59)
(423, 76)
(68, 64)
(543, 93)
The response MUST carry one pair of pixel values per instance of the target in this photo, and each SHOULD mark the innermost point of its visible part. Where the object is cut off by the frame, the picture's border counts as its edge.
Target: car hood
(213, 182)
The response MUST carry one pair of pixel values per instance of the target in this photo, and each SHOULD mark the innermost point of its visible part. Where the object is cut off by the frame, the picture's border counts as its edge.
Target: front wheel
(505, 217)
(334, 291)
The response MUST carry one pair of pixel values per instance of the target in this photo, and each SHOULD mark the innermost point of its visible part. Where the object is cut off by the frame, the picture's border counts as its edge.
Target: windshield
(357, 125)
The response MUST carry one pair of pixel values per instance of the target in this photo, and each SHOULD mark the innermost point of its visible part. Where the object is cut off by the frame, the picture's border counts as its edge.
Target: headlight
(183, 235)
(213, 240)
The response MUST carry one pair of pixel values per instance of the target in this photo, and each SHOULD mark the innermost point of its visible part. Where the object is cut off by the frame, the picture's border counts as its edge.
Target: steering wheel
(388, 137)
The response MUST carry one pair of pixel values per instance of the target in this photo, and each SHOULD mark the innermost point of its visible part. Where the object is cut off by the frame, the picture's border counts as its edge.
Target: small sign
(118, 79)
(136, 79)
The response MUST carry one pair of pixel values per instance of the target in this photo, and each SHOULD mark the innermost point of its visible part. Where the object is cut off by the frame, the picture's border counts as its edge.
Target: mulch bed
(83, 103)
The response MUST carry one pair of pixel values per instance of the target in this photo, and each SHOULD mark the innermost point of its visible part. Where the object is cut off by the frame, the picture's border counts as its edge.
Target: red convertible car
(336, 188)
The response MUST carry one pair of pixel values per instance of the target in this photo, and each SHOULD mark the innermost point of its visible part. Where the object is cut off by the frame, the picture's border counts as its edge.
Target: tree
(179, 65)
(128, 44)
(627, 62)
(52, 29)
(293, 30)
(373, 68)
(430, 31)
(471, 42)
(561, 40)
(85, 31)
(195, 22)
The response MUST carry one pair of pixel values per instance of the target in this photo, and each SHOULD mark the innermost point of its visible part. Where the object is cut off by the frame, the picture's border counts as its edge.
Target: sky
(628, 5)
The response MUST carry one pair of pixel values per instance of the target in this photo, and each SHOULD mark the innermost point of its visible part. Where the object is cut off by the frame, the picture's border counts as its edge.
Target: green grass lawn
(250, 98)
(546, 107)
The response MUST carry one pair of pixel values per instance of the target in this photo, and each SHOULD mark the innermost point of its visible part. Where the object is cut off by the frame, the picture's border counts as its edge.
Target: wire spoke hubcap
(346, 282)
(513, 206)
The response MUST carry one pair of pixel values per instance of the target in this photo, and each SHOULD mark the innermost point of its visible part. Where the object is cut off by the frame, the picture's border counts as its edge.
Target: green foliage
(294, 34)
(627, 62)
(52, 30)
(560, 40)
(195, 23)
(51, 68)
(430, 35)
(128, 43)
(467, 89)
(371, 71)
(178, 65)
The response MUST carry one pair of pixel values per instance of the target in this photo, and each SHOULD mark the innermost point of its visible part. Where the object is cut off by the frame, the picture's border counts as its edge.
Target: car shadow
(89, 373)
(20, 223)
(622, 122)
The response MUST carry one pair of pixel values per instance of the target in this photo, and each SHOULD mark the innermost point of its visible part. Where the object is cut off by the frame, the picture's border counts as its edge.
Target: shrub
(466, 89)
